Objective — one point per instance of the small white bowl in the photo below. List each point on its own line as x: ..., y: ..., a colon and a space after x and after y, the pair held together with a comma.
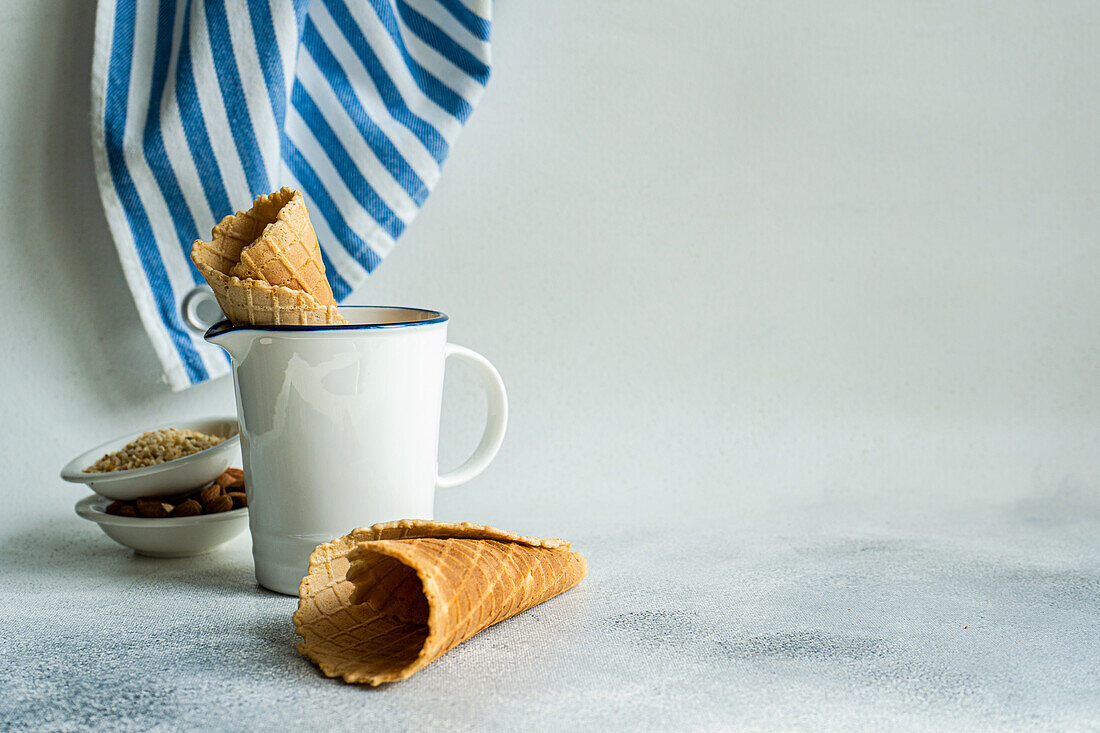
x: 163, y: 479
x: 165, y: 536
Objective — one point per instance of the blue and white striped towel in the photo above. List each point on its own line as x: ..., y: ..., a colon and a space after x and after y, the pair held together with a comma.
x: 201, y: 105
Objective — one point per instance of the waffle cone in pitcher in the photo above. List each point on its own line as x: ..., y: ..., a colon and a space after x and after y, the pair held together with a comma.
x: 264, y: 265
x: 383, y: 602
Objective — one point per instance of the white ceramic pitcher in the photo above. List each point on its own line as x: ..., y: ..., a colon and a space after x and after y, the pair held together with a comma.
x: 340, y: 427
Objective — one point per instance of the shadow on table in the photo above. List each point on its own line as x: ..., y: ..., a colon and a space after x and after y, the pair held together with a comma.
x: 83, y: 555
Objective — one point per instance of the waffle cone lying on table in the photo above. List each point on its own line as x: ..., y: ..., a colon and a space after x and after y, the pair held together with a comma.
x: 383, y: 602
x: 264, y: 265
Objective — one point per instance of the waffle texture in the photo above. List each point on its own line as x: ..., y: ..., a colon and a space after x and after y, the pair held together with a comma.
x: 264, y: 265
x: 383, y: 602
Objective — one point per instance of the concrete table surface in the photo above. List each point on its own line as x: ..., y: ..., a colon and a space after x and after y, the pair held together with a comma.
x: 825, y: 618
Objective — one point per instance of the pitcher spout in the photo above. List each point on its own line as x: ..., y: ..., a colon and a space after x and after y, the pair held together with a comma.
x: 234, y: 340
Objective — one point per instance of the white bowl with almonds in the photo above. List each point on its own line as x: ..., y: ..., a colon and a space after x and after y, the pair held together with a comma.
x: 175, y: 526
x: 161, y: 462
x: 166, y: 536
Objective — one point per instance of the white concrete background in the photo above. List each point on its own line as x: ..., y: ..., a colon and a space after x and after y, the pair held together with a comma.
x: 728, y: 256
x: 790, y: 270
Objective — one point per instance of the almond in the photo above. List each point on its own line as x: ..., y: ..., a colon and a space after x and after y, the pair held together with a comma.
x: 127, y: 511
x: 211, y: 492
x: 220, y: 504
x: 153, y: 508
x: 116, y: 507
x: 238, y: 497
x: 188, y: 508
x: 231, y: 478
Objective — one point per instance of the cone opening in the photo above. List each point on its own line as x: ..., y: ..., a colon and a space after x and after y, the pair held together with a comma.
x: 222, y: 253
x: 265, y: 213
x: 391, y: 593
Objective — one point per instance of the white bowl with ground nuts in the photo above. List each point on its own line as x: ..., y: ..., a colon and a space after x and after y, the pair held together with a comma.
x: 180, y: 460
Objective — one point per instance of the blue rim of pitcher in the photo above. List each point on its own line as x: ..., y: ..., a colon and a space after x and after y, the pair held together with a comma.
x: 224, y: 326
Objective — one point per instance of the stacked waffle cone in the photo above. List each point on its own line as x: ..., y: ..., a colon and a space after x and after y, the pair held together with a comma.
x: 264, y: 265
x: 385, y: 601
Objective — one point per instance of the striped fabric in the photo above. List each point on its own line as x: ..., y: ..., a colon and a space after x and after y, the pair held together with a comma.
x: 201, y: 105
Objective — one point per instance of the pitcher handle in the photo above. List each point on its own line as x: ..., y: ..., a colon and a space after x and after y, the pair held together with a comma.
x: 495, y: 425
